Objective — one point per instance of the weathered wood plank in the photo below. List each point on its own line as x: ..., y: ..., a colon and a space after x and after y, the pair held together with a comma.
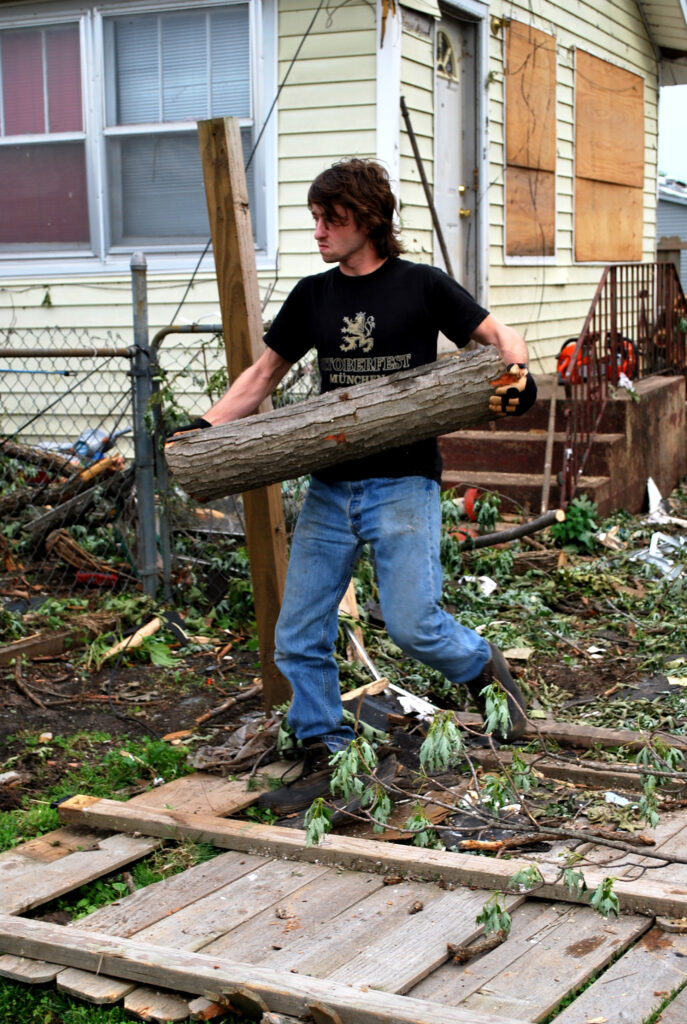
x: 152, y: 1005
x: 636, y: 985
x: 281, y: 991
x: 675, y: 1012
x: 205, y: 793
x: 330, y: 946
x: 58, y: 843
x: 206, y: 919
x: 143, y: 910
x: 533, y: 923
x: 582, y: 944
x: 297, y: 918
x: 641, y: 896
x: 417, y: 945
x: 591, y: 774
x: 24, y: 887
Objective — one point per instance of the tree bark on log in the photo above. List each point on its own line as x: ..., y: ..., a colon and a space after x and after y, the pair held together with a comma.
x: 348, y: 423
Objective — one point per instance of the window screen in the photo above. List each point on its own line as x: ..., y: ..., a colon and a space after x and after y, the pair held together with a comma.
x: 173, y: 67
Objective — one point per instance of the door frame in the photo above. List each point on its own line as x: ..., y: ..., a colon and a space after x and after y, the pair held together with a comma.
x: 478, y: 13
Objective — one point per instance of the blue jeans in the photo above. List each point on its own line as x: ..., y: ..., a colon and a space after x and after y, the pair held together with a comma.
x: 401, y: 520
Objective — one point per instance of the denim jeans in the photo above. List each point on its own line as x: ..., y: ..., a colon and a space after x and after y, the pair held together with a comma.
x: 401, y: 520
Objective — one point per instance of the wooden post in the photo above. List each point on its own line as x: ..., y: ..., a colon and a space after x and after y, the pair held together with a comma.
x: 237, y: 281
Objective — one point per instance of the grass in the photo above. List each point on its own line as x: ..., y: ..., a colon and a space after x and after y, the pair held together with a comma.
x: 93, y: 763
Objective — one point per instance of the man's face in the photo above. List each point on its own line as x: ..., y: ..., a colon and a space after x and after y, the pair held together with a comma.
x: 342, y: 241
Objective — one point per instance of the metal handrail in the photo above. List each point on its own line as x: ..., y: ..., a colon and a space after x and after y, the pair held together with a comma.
x: 636, y: 326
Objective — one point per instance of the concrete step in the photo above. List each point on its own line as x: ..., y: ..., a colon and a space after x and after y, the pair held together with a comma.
x: 520, y: 491
x: 523, y: 452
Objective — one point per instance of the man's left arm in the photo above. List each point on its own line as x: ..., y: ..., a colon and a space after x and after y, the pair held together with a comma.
x: 516, y: 392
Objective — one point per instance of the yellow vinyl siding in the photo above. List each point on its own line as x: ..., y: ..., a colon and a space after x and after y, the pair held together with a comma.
x: 417, y: 87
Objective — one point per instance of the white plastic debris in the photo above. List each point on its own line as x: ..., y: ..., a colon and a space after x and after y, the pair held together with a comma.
x: 625, y: 382
x: 617, y: 799
x: 659, y: 509
x: 661, y: 546
x: 486, y: 585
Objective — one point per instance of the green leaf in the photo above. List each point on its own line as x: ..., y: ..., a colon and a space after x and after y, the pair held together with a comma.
x: 443, y: 744
x: 318, y: 822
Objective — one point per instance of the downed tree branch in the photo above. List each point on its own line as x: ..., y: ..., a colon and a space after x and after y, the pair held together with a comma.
x: 135, y: 640
x: 58, y: 493
x: 52, y: 461
x: 515, y: 532
x: 71, y: 511
x: 252, y: 691
x: 343, y: 424
x: 510, y: 843
x: 463, y: 954
x: 23, y: 688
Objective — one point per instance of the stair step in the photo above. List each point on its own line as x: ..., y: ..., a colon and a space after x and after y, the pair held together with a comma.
x: 505, y: 451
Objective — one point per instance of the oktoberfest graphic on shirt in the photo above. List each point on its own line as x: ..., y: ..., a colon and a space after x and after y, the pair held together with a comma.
x: 369, y: 326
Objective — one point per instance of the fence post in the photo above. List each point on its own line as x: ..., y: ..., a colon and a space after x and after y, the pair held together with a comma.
x: 143, y: 442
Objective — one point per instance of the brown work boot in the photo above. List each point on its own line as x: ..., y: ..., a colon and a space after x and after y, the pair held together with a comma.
x: 496, y: 671
x: 313, y: 781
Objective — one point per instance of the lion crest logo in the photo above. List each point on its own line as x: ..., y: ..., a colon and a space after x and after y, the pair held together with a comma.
x: 357, y: 333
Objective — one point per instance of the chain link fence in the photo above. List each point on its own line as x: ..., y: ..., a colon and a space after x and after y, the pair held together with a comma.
x: 66, y: 464
x: 86, y: 505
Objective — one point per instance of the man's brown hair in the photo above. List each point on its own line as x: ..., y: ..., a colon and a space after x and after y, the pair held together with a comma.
x: 361, y: 186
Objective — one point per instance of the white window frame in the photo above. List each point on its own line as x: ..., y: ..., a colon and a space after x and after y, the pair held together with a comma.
x: 101, y: 257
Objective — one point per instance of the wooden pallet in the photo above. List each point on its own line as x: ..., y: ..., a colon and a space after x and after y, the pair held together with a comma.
x: 290, y: 930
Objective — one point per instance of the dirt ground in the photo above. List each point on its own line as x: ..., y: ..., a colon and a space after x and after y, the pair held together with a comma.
x: 140, y: 699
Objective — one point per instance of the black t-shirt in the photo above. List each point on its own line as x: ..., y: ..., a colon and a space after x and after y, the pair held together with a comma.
x: 366, y: 327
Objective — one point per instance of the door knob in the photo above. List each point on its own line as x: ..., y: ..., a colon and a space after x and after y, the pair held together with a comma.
x: 464, y: 213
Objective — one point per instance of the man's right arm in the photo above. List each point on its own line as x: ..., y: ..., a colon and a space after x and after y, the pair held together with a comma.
x: 249, y: 389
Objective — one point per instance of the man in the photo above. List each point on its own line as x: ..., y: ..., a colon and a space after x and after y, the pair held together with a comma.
x: 370, y: 315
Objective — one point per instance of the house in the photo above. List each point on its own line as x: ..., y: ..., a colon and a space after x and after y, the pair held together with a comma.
x: 536, y: 124
x: 671, y: 225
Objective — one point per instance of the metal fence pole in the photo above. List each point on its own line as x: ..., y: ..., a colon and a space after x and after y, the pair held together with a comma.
x: 143, y: 442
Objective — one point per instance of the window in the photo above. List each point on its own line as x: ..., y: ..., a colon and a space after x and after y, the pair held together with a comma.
x: 98, y: 142
x: 43, y: 198
x: 530, y: 142
x: 609, y: 161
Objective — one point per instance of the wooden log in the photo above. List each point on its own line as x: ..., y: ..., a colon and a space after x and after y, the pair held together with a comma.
x: 348, y: 423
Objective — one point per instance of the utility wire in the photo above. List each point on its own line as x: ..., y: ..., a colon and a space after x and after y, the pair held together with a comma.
x: 255, y: 146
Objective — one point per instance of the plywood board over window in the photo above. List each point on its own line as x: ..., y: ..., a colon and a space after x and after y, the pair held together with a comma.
x: 609, y: 161
x: 530, y: 141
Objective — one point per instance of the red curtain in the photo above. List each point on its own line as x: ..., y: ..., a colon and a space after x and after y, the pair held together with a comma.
x: 43, y: 195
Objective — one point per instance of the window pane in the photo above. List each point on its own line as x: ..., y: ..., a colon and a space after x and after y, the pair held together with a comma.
x: 137, y: 65
x: 184, y: 67
x: 43, y: 195
x: 22, y: 82
x: 230, y: 55
x: 162, y: 193
x: 176, y: 66
x: 64, y: 79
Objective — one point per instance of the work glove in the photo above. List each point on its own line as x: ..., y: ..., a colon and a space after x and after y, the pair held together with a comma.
x: 196, y: 424
x: 514, y: 393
